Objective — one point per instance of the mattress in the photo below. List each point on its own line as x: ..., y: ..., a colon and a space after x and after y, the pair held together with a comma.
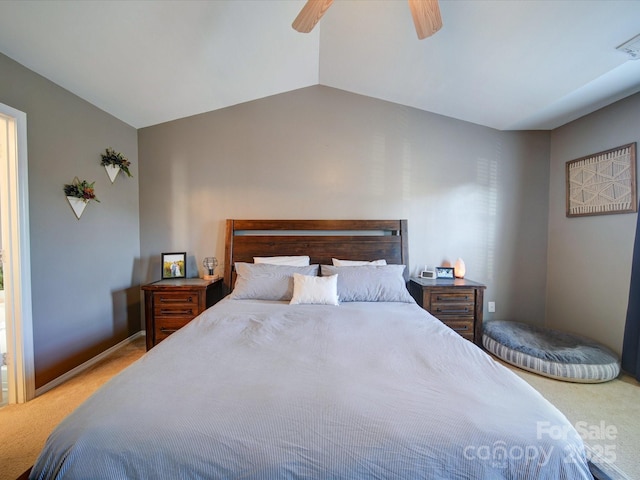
x: 267, y: 390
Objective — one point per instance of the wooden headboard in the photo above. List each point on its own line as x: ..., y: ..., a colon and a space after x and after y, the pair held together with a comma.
x: 322, y: 240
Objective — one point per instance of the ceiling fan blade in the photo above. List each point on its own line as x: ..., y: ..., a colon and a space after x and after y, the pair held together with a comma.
x: 426, y: 17
x: 310, y: 14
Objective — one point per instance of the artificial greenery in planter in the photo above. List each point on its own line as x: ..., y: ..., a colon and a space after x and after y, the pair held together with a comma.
x: 81, y: 189
x: 116, y: 159
x: 79, y: 194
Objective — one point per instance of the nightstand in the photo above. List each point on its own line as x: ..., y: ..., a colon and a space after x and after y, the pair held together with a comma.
x: 170, y: 304
x: 457, y: 303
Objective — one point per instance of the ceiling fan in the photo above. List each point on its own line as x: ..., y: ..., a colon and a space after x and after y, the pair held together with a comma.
x: 425, y: 13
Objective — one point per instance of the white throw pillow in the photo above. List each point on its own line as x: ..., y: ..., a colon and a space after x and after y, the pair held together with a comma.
x: 295, y: 261
x: 356, y: 263
x: 316, y: 290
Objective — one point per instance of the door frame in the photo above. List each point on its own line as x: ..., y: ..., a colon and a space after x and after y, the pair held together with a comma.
x: 14, y: 212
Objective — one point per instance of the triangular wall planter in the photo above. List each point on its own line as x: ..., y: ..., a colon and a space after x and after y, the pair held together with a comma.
x: 78, y: 205
x: 112, y: 171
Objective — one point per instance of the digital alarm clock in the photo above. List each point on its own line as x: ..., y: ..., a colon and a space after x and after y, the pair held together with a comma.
x: 428, y: 273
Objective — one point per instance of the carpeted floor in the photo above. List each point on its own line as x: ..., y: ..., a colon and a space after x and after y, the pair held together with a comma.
x: 598, y: 409
x: 25, y: 427
x: 607, y: 415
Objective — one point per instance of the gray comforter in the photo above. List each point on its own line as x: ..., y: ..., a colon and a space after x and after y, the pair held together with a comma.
x: 265, y: 390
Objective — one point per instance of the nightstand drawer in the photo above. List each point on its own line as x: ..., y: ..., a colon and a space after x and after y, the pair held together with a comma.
x: 459, y: 296
x: 166, y: 326
x: 177, y: 310
x: 460, y: 326
x: 460, y: 311
x: 169, y: 299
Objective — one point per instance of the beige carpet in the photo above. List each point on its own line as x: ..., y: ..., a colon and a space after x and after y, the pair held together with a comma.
x: 24, y: 428
x: 608, y: 412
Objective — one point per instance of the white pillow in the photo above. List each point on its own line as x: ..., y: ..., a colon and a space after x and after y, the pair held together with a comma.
x: 356, y: 263
x: 296, y: 261
x: 317, y: 290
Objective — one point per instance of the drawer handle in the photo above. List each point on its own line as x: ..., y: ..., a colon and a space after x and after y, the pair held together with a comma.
x: 461, y: 329
x: 441, y: 299
x: 168, y: 330
x: 168, y: 311
x: 450, y: 310
x: 176, y: 300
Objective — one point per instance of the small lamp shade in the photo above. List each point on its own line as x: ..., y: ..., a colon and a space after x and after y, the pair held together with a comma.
x: 459, y: 268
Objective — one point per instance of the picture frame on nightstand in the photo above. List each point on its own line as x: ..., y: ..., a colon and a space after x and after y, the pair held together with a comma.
x: 174, y: 265
x: 445, y: 272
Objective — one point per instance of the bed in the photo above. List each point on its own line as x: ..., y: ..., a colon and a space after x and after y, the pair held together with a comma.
x: 352, y: 380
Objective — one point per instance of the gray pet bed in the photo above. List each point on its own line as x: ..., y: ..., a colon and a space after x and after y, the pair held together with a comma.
x: 550, y: 353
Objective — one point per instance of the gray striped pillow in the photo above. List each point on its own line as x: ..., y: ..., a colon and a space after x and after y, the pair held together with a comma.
x: 262, y: 281
x: 370, y: 283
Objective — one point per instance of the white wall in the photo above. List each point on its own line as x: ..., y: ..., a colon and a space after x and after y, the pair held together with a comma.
x: 589, y: 265
x: 468, y: 191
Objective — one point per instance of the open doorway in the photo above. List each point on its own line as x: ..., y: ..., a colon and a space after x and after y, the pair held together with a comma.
x: 16, y: 342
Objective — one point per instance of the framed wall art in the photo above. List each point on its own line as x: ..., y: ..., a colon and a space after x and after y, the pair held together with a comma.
x: 602, y: 183
x: 174, y: 265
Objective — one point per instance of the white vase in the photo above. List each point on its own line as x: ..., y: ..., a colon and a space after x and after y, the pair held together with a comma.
x: 78, y: 205
x: 112, y: 171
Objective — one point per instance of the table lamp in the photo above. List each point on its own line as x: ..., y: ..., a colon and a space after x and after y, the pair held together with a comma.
x: 210, y: 264
x: 460, y: 268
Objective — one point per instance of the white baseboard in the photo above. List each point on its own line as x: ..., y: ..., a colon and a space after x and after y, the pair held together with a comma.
x: 89, y: 363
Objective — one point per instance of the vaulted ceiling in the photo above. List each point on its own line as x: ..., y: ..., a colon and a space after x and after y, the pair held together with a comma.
x: 506, y: 64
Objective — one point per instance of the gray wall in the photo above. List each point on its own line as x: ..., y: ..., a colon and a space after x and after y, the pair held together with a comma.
x: 468, y: 191
x: 84, y: 272
x: 589, y: 264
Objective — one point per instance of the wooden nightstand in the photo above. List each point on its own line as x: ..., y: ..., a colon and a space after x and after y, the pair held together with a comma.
x: 457, y: 303
x: 170, y: 304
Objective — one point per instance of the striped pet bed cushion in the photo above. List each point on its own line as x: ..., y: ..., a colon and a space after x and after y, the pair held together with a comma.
x: 551, y: 353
